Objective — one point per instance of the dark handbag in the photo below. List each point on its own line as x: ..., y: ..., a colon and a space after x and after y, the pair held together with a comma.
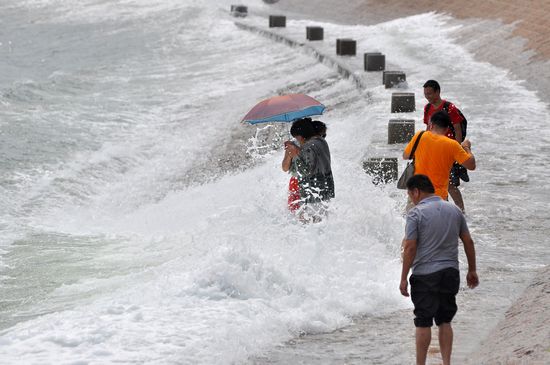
x: 409, y: 170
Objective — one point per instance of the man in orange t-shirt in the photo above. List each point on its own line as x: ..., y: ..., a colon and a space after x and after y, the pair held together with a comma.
x: 432, y: 93
x: 436, y: 153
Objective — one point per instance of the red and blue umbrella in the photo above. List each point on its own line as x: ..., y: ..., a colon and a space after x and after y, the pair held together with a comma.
x: 284, y: 108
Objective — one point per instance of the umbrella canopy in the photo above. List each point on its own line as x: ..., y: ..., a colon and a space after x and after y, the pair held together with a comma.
x: 284, y: 108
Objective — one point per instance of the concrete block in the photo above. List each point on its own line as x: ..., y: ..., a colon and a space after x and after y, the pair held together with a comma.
x: 346, y: 47
x: 402, y: 103
x: 239, y: 10
x: 375, y: 61
x: 277, y: 21
x: 400, y: 130
x: 382, y: 169
x: 314, y: 33
x: 393, y: 78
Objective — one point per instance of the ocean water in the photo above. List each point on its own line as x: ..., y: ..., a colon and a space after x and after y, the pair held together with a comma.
x: 124, y: 241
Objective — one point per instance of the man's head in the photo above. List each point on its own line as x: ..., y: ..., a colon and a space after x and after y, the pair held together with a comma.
x: 440, y: 122
x: 432, y: 91
x: 419, y: 187
x: 302, y: 130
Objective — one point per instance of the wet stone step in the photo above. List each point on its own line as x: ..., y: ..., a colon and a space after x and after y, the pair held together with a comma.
x: 400, y: 130
x: 277, y: 21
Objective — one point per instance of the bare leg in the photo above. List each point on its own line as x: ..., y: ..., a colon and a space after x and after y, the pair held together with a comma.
x: 457, y: 196
x: 423, y: 339
x: 446, y: 342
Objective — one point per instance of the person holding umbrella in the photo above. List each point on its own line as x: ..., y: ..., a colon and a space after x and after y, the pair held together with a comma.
x: 311, y: 164
x: 320, y: 129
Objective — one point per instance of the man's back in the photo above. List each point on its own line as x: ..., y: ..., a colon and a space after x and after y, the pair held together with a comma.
x: 436, y: 225
x: 314, y: 171
x: 434, y: 157
x: 318, y: 152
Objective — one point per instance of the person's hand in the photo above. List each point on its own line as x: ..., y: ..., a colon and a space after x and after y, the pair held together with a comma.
x: 291, y: 148
x: 472, y: 279
x: 466, y: 143
x: 403, y: 288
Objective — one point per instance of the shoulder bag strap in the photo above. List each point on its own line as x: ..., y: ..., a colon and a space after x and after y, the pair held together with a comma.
x: 411, y: 157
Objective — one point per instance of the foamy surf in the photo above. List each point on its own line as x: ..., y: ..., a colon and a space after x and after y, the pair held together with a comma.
x: 110, y: 258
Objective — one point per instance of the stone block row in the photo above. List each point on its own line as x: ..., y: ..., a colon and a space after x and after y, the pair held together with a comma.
x: 382, y: 169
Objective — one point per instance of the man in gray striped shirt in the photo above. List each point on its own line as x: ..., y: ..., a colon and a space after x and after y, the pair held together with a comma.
x: 430, y: 248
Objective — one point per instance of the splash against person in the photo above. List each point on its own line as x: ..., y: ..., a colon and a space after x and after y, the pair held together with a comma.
x: 309, y: 162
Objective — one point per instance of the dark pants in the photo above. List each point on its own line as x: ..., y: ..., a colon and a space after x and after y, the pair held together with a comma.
x: 434, y: 297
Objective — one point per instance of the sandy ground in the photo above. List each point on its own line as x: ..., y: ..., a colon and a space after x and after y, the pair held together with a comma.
x: 523, y: 335
x: 514, y: 35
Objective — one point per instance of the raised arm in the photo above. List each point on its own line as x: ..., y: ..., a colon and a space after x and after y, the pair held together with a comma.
x: 291, y: 150
x: 287, y: 161
x: 470, y: 163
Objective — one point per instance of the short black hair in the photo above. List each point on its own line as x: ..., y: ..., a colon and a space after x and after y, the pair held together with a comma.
x: 320, y: 128
x: 303, y: 128
x: 433, y: 84
x: 420, y: 182
x: 441, y: 119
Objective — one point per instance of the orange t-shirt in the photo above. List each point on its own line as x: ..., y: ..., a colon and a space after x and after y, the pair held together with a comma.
x: 434, y: 157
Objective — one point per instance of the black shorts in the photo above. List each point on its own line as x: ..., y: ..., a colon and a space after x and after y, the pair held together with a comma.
x: 434, y: 297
